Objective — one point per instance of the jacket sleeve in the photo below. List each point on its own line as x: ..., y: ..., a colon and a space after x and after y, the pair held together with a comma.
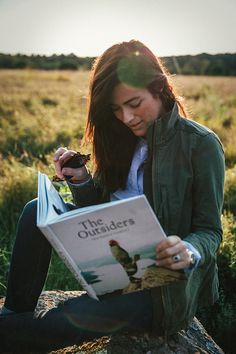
x: 208, y: 189
x: 85, y: 194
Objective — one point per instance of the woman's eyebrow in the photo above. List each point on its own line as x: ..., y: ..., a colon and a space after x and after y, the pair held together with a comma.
x: 128, y: 101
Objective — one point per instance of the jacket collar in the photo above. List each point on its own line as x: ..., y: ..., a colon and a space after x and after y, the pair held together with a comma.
x: 163, y: 128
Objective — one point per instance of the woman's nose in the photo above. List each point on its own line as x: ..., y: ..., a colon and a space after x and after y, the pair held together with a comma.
x: 127, y: 116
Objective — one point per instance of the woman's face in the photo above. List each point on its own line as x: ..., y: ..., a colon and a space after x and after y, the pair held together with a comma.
x: 135, y: 107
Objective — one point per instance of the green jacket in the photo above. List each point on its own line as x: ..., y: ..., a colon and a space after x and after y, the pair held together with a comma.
x: 183, y: 181
x: 186, y: 174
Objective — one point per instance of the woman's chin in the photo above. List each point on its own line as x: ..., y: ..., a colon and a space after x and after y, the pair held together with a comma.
x: 139, y: 132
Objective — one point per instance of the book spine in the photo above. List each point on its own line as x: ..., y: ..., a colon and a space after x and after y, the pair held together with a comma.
x: 69, y: 262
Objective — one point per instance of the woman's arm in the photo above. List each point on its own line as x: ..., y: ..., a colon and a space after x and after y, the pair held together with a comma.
x: 208, y: 186
x: 208, y: 192
x: 85, y: 193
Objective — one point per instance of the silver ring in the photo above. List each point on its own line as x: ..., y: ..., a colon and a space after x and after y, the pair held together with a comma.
x: 176, y: 258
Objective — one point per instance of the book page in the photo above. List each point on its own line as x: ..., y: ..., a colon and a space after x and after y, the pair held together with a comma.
x: 50, y: 203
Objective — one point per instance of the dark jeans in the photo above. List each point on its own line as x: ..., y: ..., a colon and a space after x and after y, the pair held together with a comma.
x: 73, y: 322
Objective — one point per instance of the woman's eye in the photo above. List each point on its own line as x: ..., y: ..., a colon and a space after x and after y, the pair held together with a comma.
x: 132, y: 104
x: 135, y: 104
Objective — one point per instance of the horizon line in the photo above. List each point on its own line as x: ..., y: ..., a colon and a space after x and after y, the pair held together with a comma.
x: 95, y: 56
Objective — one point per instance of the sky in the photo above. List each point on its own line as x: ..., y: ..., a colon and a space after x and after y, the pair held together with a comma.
x: 88, y: 27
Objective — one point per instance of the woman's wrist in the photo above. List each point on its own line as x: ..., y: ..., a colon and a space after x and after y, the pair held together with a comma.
x: 194, y: 256
x: 80, y: 179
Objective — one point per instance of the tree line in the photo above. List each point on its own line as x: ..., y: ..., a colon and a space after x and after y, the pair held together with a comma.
x: 201, y: 64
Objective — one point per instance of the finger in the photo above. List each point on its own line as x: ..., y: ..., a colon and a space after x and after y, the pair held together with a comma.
x: 172, y: 245
x: 168, y: 242
x: 171, y: 251
x: 58, y: 170
x: 172, y: 264
x: 80, y: 173
x: 177, y: 266
x: 61, y: 155
x: 59, y: 152
x: 66, y: 156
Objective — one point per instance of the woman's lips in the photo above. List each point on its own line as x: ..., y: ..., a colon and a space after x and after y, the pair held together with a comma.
x: 134, y: 126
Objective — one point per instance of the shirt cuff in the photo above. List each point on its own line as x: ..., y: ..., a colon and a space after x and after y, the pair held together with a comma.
x: 197, y: 255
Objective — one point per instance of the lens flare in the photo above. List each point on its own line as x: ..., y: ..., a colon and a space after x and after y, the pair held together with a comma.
x: 136, y: 70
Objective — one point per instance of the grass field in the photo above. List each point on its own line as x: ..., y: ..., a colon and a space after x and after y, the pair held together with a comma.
x: 39, y: 110
x: 42, y: 110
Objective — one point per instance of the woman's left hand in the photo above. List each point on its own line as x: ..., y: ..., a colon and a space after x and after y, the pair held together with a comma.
x: 172, y: 253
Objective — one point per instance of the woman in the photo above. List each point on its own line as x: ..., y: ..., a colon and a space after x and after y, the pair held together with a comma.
x: 141, y: 144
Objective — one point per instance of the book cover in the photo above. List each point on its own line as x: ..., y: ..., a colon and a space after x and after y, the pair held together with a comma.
x: 110, y: 247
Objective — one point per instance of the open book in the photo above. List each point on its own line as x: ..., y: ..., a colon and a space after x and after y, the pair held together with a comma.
x: 110, y: 247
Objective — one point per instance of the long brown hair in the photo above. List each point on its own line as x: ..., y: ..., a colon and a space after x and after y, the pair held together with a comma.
x: 113, y: 143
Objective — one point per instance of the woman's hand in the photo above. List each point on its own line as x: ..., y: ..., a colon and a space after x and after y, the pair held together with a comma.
x: 172, y: 253
x: 77, y: 174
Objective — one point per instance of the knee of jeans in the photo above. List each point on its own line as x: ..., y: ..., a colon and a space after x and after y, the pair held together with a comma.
x: 30, y: 211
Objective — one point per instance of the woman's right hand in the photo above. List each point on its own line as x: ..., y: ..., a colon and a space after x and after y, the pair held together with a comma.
x: 60, y: 157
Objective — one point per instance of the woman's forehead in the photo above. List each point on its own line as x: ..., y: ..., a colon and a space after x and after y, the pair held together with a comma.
x: 123, y: 92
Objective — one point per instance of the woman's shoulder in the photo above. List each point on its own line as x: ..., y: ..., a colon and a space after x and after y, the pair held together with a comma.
x: 191, y: 126
x: 198, y: 133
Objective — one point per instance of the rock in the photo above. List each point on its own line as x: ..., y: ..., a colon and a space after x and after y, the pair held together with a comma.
x: 194, y: 340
